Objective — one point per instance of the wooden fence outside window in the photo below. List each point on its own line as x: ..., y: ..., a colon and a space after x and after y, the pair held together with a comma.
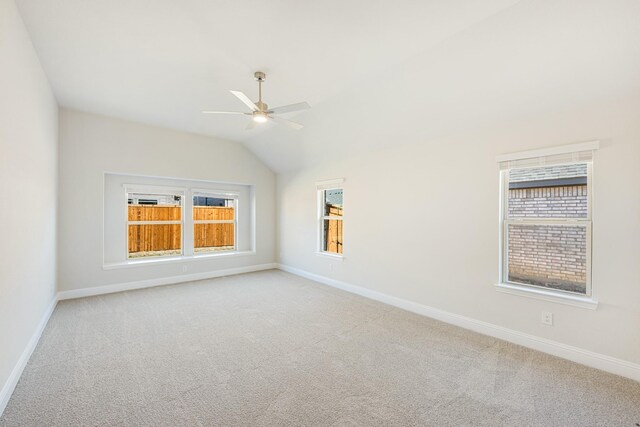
x: 167, y: 237
x: 333, y: 231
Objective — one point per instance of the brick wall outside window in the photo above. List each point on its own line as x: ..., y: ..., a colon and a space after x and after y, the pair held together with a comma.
x: 549, y: 202
x: 548, y: 255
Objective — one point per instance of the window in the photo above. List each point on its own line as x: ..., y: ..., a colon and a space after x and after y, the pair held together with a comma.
x: 157, y: 226
x: 154, y: 224
x: 214, y: 222
x: 156, y: 220
x: 331, y: 219
x: 546, y: 223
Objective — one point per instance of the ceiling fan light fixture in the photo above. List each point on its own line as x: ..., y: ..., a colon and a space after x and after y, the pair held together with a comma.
x: 259, y: 117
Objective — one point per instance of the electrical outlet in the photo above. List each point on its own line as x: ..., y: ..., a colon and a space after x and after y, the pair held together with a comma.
x: 184, y: 268
x: 547, y: 318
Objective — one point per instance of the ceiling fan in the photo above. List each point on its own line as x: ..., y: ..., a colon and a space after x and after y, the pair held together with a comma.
x: 260, y: 112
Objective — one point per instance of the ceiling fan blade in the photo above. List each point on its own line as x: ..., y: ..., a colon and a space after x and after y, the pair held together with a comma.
x: 222, y: 112
x: 245, y: 99
x: 288, y: 123
x: 291, y: 107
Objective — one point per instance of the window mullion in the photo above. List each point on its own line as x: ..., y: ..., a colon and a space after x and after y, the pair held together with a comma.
x: 187, y: 234
x: 187, y: 226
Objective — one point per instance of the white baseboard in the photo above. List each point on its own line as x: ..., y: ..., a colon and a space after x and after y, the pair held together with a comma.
x: 14, y: 377
x: 141, y: 284
x: 575, y: 354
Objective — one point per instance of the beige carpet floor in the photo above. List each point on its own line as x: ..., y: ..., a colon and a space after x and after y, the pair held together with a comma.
x: 270, y: 348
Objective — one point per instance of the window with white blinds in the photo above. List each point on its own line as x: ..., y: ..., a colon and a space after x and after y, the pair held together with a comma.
x: 546, y: 221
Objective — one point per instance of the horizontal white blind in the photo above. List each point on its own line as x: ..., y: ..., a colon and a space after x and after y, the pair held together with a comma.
x: 556, y: 159
x: 220, y: 194
x: 330, y: 184
x: 153, y: 189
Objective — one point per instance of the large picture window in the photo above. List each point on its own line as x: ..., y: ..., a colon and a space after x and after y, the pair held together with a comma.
x: 546, y: 223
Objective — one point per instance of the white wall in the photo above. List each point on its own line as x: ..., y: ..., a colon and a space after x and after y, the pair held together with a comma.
x: 92, y: 145
x: 421, y: 223
x: 28, y: 190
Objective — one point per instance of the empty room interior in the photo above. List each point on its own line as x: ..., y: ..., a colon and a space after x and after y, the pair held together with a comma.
x: 320, y: 213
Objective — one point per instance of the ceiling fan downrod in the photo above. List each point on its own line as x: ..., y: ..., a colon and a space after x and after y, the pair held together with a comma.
x: 261, y: 77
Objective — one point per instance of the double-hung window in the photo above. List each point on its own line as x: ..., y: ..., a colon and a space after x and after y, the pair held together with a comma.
x: 215, y: 222
x: 154, y: 223
x: 546, y: 222
x: 330, y: 219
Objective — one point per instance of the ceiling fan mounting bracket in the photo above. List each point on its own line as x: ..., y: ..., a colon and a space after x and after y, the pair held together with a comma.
x: 260, y: 76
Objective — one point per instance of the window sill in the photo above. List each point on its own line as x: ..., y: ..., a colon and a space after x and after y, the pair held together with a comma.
x: 544, y: 295
x: 173, y: 260
x: 330, y: 255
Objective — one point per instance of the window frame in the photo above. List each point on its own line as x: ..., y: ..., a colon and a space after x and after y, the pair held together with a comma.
x: 220, y: 195
x: 505, y: 222
x: 322, y: 217
x: 155, y: 190
x: 187, y: 223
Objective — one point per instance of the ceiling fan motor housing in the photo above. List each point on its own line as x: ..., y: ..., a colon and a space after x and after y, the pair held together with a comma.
x: 262, y: 106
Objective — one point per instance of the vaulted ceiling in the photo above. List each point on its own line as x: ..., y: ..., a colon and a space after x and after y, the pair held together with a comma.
x: 375, y: 72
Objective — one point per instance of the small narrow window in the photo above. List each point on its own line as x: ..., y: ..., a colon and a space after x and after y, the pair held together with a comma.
x: 546, y: 220
x: 154, y: 224
x: 331, y: 220
x: 214, y: 222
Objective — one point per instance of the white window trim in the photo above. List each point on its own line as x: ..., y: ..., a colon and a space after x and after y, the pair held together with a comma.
x: 146, y: 262
x: 329, y: 184
x: 339, y: 257
x: 322, y: 186
x: 537, y: 292
x: 550, y: 151
x: 187, y: 224
x: 545, y: 295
